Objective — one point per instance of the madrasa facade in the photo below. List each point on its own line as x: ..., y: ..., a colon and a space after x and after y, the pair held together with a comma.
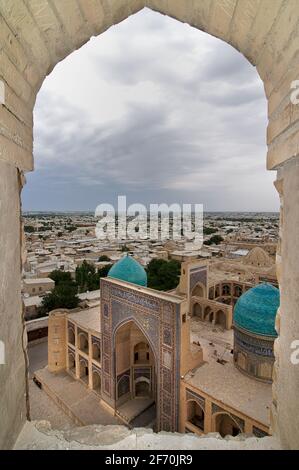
x: 183, y: 361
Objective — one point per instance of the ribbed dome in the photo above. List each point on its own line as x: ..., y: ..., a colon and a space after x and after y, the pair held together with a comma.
x: 255, y: 311
x: 258, y: 257
x: 129, y: 270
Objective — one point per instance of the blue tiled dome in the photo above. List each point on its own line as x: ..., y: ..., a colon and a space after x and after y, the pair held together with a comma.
x: 129, y: 270
x: 256, y: 309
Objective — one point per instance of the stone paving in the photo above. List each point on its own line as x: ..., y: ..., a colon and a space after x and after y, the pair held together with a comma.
x: 82, y: 403
x: 42, y: 407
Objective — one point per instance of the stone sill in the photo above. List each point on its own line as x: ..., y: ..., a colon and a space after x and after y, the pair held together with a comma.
x: 38, y: 435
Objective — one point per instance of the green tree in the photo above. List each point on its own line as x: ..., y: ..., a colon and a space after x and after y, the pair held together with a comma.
x: 209, y: 230
x: 104, y: 258
x: 214, y: 240
x: 61, y: 277
x: 29, y: 228
x: 84, y: 275
x: 163, y: 275
x: 103, y: 272
x: 88, y: 278
x: 63, y: 296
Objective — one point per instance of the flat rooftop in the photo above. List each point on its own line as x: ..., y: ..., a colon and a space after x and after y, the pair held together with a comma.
x: 224, y: 382
x: 87, y: 319
x: 38, y: 280
x: 229, y: 386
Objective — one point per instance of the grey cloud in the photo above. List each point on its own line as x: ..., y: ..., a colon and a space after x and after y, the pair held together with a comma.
x: 199, y: 143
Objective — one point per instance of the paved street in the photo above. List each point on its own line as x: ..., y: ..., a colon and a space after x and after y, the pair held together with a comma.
x: 41, y: 406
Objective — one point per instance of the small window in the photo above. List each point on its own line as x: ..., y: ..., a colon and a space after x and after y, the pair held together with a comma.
x: 136, y: 356
x: 184, y: 318
x: 147, y: 356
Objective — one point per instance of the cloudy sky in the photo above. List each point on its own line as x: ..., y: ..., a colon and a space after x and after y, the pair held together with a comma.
x: 157, y: 111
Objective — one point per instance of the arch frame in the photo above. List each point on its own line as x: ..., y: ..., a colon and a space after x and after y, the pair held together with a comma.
x: 36, y: 46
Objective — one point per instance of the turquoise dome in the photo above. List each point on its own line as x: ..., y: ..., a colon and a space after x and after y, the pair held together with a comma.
x: 129, y: 270
x: 256, y: 309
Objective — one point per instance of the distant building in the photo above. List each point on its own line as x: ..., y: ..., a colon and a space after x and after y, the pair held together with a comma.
x: 37, y: 286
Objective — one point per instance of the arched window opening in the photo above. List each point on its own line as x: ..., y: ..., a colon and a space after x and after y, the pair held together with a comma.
x: 226, y: 426
x: 83, y: 370
x: 141, y: 353
x: 96, y: 381
x: 71, y: 335
x: 142, y: 387
x: 96, y: 351
x: 83, y: 342
x: 198, y: 291
x: 195, y: 414
x: 72, y: 362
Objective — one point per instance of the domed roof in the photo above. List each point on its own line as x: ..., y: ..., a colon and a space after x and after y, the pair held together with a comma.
x: 129, y: 270
x: 258, y: 257
x: 256, y: 309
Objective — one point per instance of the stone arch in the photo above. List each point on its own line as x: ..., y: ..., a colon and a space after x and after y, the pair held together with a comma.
x: 96, y: 351
x: 220, y: 318
x: 241, y: 359
x: 141, y: 353
x: 83, y: 369
x: 38, y: 36
x: 197, y: 310
x: 142, y: 387
x: 71, y: 361
x: 224, y: 423
x: 123, y: 386
x: 226, y: 289
x: 142, y: 329
x: 71, y: 334
x: 195, y: 414
x: 83, y: 341
x: 238, y: 290
x: 199, y: 290
x: 208, y: 314
x: 96, y: 381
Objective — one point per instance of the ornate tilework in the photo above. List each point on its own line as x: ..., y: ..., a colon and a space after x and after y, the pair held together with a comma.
x: 152, y: 315
x: 190, y: 395
x: 107, y: 386
x: 106, y: 365
x: 123, y: 384
x: 259, y: 432
x: 167, y: 336
x: 106, y: 310
x: 96, y: 340
x: 96, y: 369
x: 166, y: 377
x: 167, y: 359
x: 253, y: 345
x: 197, y: 275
